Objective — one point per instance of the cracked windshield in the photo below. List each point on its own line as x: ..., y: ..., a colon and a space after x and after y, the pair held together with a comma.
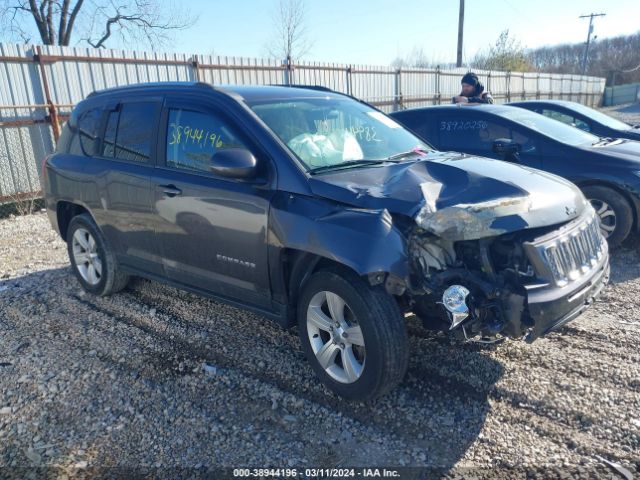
x: 329, y: 132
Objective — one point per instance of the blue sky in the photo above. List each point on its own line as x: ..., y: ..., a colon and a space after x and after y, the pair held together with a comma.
x: 377, y: 31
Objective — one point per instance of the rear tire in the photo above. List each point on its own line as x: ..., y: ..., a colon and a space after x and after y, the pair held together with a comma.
x: 615, y: 213
x: 353, y: 335
x: 92, y: 260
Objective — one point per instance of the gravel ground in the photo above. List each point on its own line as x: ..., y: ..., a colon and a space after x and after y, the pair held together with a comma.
x: 157, y: 378
x: 629, y: 112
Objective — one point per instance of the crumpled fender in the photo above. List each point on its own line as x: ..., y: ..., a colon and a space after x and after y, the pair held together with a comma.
x: 365, y: 240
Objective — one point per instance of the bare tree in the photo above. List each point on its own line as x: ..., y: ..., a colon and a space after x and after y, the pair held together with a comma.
x: 416, y: 59
x: 507, y: 54
x: 291, y: 39
x: 93, y: 21
x: 615, y: 58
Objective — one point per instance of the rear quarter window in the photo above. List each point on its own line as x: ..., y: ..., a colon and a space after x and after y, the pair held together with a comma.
x: 88, y: 125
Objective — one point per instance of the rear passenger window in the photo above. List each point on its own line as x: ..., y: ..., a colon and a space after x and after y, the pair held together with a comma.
x: 109, y: 141
x: 88, y: 124
x: 568, y: 119
x: 194, y: 137
x: 129, y: 132
x: 135, y: 131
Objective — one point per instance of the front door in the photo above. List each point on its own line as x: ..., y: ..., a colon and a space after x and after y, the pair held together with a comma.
x: 212, y: 230
x: 475, y: 134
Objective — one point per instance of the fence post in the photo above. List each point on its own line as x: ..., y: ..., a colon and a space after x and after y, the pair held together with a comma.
x: 437, y: 99
x: 508, y: 86
x: 287, y: 71
x: 348, y: 79
x: 489, y: 82
x: 196, y: 70
x: 397, y: 94
x: 538, y: 86
x: 53, y: 112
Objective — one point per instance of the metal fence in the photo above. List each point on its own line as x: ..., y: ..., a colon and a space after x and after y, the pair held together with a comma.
x: 39, y: 85
x: 619, y: 94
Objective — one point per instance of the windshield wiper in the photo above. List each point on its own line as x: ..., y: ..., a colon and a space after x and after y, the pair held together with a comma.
x: 350, y: 163
x: 602, y: 141
x: 408, y: 153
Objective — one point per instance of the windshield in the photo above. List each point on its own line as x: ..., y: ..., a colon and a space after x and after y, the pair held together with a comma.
x: 599, y: 117
x: 330, y: 132
x: 547, y: 126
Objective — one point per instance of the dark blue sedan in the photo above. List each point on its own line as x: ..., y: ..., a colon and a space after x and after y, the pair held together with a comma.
x: 607, y: 170
x: 582, y: 117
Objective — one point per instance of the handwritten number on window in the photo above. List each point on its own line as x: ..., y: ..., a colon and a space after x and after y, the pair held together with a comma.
x: 185, y: 135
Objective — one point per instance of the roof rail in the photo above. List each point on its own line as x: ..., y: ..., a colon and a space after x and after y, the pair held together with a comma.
x: 321, y: 88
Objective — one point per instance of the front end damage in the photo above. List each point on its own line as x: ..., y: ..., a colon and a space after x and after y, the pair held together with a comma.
x: 482, y: 247
x: 469, y: 277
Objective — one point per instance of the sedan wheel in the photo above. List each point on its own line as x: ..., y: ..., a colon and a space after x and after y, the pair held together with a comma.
x: 606, y: 215
x: 85, y: 254
x: 335, y: 337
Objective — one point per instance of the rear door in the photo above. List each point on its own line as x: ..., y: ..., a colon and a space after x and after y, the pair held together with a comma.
x: 122, y: 166
x: 212, y: 230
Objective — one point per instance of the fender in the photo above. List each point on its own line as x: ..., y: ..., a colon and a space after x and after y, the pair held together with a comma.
x: 367, y: 241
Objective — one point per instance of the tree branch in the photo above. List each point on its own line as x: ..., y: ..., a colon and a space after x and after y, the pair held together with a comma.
x: 71, y: 23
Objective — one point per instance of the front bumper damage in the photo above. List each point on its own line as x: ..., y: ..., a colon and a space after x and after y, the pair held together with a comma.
x: 567, y: 269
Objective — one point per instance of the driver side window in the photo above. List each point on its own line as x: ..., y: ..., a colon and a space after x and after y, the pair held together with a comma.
x: 479, y: 135
x: 194, y: 137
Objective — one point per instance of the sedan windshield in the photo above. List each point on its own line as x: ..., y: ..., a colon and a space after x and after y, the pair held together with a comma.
x: 338, y: 132
x: 599, y: 117
x: 547, y: 126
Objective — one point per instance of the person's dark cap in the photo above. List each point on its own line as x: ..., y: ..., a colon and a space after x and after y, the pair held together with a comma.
x: 470, y: 78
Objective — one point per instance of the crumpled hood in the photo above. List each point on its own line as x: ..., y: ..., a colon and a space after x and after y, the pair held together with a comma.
x: 458, y: 197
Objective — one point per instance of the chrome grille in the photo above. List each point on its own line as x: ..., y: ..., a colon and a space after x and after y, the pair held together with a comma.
x: 572, y: 254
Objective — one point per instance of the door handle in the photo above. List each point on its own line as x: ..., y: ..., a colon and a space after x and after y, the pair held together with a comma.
x: 170, y: 190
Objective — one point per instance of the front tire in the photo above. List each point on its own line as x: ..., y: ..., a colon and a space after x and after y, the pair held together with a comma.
x: 92, y: 261
x: 614, y: 213
x: 353, y: 335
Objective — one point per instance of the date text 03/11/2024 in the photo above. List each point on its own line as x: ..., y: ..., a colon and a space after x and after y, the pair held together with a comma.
x: 316, y: 473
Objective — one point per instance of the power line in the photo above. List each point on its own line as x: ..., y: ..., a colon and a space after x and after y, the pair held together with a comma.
x: 586, y: 48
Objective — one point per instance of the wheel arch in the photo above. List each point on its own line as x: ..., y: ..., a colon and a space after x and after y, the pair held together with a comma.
x: 633, y: 202
x: 65, y: 211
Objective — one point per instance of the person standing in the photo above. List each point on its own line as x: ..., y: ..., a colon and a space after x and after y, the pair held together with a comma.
x: 472, y: 91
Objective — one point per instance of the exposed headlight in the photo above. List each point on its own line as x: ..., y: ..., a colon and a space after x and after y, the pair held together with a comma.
x: 454, y: 300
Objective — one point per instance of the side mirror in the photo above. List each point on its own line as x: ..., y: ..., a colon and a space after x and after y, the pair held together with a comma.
x: 234, y: 162
x: 506, y: 148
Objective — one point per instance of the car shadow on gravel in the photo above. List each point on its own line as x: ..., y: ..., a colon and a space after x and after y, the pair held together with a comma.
x: 431, y: 419
x: 625, y: 261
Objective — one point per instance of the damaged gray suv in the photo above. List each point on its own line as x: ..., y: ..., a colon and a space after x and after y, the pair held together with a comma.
x: 317, y: 210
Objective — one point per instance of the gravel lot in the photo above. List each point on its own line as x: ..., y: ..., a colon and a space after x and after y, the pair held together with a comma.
x: 158, y: 378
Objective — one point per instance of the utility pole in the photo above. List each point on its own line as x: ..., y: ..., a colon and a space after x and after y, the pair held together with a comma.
x: 460, y: 29
x: 586, y: 48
